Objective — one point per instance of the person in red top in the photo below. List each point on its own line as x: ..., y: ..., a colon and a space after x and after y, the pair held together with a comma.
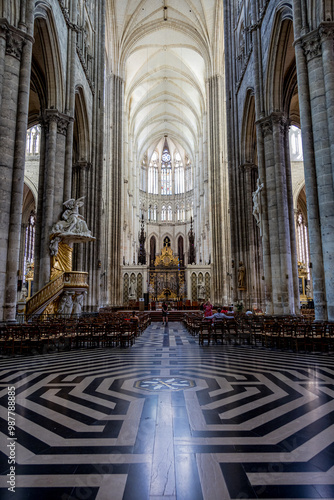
x: 207, y: 309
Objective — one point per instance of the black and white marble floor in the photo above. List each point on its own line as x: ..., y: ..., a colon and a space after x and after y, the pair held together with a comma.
x: 168, y: 419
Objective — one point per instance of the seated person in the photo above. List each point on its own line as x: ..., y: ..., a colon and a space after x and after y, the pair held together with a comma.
x: 134, y: 318
x: 219, y: 315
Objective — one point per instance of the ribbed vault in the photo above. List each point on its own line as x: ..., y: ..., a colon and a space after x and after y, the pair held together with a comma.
x: 163, y: 51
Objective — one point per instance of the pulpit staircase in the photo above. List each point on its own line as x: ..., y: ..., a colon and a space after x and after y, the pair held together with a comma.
x: 75, y: 281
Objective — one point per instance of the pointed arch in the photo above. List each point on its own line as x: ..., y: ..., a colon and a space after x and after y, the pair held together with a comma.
x: 281, y: 57
x: 248, y: 132
x: 81, y: 130
x: 48, y: 55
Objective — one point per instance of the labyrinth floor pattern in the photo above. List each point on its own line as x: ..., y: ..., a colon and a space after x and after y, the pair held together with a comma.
x: 168, y: 419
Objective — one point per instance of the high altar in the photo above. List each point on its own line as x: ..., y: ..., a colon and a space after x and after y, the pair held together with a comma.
x: 167, y: 277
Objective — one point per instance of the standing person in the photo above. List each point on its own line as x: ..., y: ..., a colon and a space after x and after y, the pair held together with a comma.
x: 208, y: 309
x: 164, y: 314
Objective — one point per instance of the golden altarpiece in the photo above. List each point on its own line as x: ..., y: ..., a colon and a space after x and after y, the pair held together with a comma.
x: 167, y: 277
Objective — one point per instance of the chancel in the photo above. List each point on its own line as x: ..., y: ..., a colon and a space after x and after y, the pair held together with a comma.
x: 175, y: 157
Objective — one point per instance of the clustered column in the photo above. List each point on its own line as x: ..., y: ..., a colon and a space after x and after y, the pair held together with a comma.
x: 15, y: 68
x: 219, y: 194
x: 280, y: 220
x: 315, y: 73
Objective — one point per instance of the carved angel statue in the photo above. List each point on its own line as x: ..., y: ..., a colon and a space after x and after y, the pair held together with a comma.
x: 257, y: 209
x: 72, y: 222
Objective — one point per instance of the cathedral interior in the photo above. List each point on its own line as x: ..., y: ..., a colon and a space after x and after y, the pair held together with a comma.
x: 177, y: 151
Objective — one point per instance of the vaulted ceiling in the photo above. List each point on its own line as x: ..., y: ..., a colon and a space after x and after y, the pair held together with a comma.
x: 165, y: 50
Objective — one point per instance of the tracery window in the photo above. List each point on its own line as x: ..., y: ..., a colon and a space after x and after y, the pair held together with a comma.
x: 189, y: 177
x: 143, y: 178
x: 180, y: 213
x: 153, y: 174
x: 169, y: 213
x: 163, y: 213
x: 33, y: 140
x: 166, y: 173
x: 152, y: 213
x: 296, y: 147
x: 178, y: 174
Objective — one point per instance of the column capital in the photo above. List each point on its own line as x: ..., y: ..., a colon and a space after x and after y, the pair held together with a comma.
x: 248, y: 167
x: 82, y: 165
x: 54, y: 116
x: 14, y: 44
x: 326, y: 31
x: 276, y: 118
x: 15, y: 38
x: 311, y: 45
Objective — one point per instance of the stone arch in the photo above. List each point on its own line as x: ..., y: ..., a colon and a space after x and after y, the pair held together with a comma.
x: 46, y: 51
x: 153, y: 249
x: 281, y: 56
x: 125, y: 288
x: 180, y: 249
x: 248, y: 132
x: 193, y: 286
x: 171, y: 240
x: 207, y: 285
x: 81, y: 131
x: 139, y: 286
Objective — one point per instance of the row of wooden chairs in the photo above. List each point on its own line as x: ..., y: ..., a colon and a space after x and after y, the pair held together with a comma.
x: 287, y: 332
x: 101, y: 331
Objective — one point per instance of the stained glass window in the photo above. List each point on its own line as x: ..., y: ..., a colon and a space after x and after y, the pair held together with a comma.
x: 166, y: 173
x: 153, y: 174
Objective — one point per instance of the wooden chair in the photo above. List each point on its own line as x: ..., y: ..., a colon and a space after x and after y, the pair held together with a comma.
x: 231, y: 330
x: 218, y: 331
x: 127, y: 336
x: 112, y: 334
x: 205, y: 332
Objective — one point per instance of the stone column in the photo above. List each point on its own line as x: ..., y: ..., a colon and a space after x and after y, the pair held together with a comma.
x: 261, y: 131
x: 274, y: 128
x: 70, y: 99
x: 323, y: 161
x: 291, y: 217
x: 326, y: 32
x: 253, y: 267
x: 48, y: 218
x: 39, y: 209
x: 286, y: 274
x: 60, y: 180
x: 81, y: 173
x: 13, y: 129
x: 309, y: 166
x: 21, y: 262
x: 115, y: 190
x: 3, y: 32
x: 219, y: 202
